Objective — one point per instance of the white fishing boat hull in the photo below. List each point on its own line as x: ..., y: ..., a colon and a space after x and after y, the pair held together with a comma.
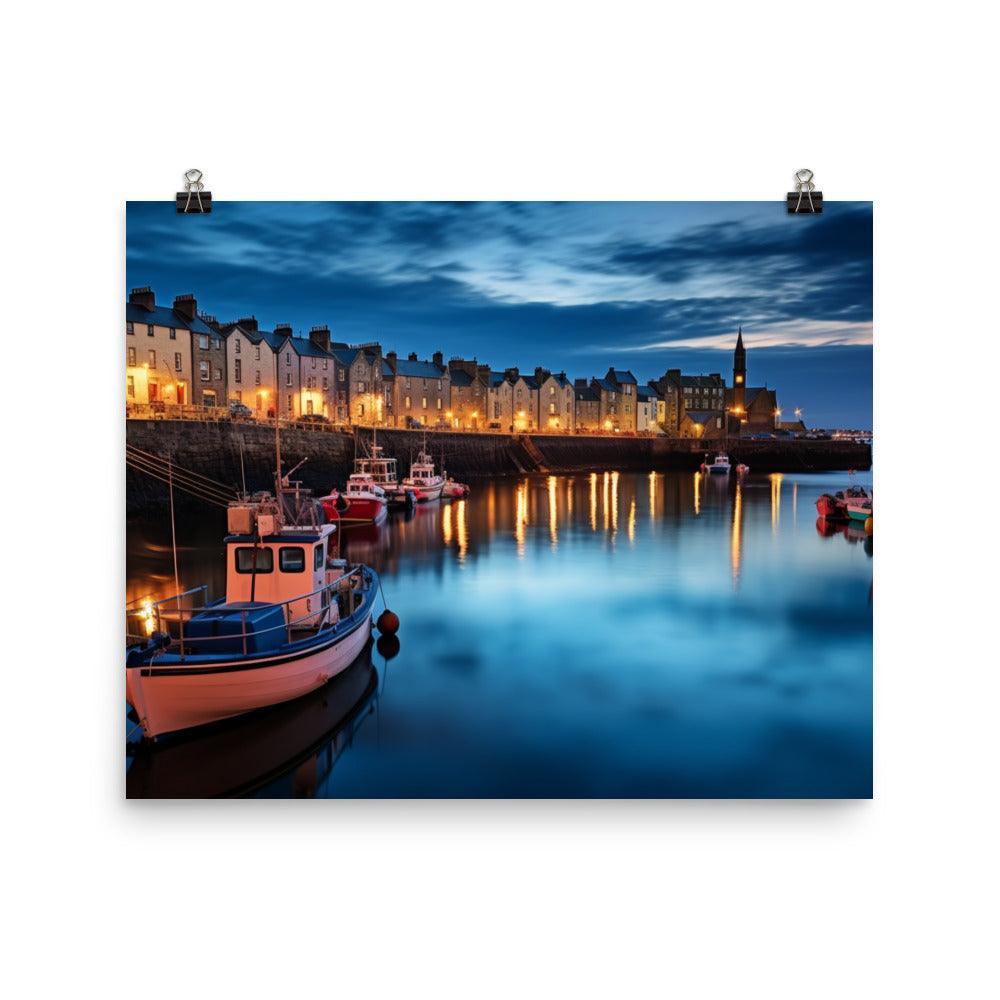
x: 181, y: 697
x: 428, y: 492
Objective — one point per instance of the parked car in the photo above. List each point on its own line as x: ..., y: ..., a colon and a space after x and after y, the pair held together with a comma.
x: 312, y: 418
x: 239, y: 411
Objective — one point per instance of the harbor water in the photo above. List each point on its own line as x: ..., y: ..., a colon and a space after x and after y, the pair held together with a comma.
x: 595, y: 635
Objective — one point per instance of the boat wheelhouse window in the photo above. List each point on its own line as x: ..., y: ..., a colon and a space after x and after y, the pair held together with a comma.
x: 245, y: 559
x: 292, y: 559
x: 318, y: 557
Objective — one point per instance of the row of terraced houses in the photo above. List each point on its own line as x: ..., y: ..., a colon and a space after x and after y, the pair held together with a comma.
x: 179, y: 359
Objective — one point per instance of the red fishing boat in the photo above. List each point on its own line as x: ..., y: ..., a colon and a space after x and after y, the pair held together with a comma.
x: 363, y: 501
x: 834, y: 505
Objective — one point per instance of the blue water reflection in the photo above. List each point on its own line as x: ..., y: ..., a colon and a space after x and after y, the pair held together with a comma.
x: 613, y: 634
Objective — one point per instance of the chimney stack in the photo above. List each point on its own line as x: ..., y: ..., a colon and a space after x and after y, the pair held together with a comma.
x: 320, y: 336
x: 391, y: 359
x: 283, y: 330
x: 248, y: 323
x: 187, y: 306
x: 413, y: 355
x: 142, y: 297
x: 580, y: 383
x: 438, y: 358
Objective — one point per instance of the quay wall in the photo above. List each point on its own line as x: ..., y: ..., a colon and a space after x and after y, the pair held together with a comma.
x: 214, y: 449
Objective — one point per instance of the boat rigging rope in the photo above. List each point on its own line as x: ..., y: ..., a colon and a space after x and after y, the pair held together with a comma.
x: 190, y: 482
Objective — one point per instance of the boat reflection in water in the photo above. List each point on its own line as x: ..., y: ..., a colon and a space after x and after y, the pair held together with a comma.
x: 287, y: 751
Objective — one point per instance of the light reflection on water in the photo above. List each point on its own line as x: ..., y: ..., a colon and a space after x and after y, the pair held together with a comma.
x: 724, y: 650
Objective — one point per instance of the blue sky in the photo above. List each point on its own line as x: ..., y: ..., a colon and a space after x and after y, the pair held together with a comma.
x: 574, y: 286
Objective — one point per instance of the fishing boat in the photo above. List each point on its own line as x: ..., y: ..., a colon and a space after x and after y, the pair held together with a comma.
x: 362, y: 501
x: 294, y: 616
x: 382, y: 472
x: 720, y: 465
x: 426, y: 483
x: 859, y: 509
x: 834, y: 505
x: 289, y: 749
x: 453, y: 490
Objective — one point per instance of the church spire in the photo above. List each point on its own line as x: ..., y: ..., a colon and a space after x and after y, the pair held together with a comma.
x: 739, y: 339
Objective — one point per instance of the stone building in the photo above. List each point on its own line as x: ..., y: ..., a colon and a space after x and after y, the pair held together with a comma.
x: 752, y: 409
x: 625, y: 386
x: 158, y: 354
x: 251, y: 366
x: 688, y: 392
x: 470, y: 386
x: 556, y: 407
x: 208, y: 358
x: 587, y: 407
x: 308, y: 373
x: 647, y: 400
x: 525, y: 400
x: 500, y: 400
x: 701, y: 424
x: 609, y: 415
x: 421, y: 391
x: 359, y: 391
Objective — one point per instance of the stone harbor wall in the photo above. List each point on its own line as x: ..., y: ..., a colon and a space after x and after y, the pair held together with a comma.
x: 215, y: 450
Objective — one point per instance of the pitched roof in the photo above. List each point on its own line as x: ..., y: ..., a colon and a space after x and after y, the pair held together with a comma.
x: 585, y: 394
x: 345, y: 355
x: 562, y: 380
x: 752, y: 393
x: 604, y: 384
x: 165, y: 316
x: 387, y: 371
x: 530, y: 381
x: 276, y: 341
x: 304, y: 347
x: 701, y: 382
x: 701, y: 416
x: 497, y: 378
x: 460, y: 378
x: 646, y: 392
x: 419, y: 369
x: 623, y: 377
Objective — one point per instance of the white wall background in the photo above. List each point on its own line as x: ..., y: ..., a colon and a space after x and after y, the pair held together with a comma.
x: 895, y: 897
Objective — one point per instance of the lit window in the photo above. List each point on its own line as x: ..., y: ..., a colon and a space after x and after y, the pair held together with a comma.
x: 406, y: 402
x: 130, y: 385
x: 152, y: 359
x: 439, y: 402
x: 131, y: 356
x: 423, y: 402
x: 254, y: 559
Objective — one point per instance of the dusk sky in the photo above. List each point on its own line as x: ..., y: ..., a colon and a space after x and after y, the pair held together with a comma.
x: 574, y: 287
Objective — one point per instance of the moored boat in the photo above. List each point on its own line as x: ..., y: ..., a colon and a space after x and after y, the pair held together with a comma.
x: 859, y: 509
x: 363, y: 501
x: 454, y: 490
x: 835, y: 505
x: 720, y: 465
x: 425, y: 482
x: 294, y: 615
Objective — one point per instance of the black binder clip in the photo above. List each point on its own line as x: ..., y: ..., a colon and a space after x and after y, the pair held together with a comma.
x: 807, y: 200
x: 196, y: 200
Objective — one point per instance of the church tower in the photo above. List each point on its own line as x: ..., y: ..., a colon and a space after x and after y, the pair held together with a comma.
x: 739, y: 374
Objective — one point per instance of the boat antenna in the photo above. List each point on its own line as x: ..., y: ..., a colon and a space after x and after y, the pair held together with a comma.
x: 173, y: 545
